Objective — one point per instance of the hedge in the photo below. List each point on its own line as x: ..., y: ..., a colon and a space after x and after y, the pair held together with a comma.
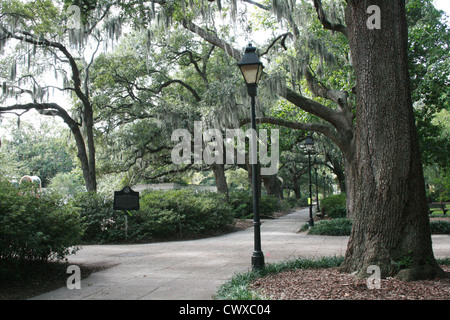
x: 334, y: 206
x: 36, y: 226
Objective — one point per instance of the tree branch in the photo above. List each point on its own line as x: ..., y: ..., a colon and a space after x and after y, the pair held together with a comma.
x: 327, y: 24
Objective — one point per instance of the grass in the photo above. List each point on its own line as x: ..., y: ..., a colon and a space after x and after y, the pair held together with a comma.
x: 238, y: 287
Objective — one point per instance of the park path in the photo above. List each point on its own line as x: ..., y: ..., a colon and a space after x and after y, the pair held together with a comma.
x: 187, y: 270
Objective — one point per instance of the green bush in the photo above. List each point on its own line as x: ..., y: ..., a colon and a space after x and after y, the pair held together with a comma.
x: 440, y: 227
x: 242, y: 205
x: 293, y: 202
x: 334, y: 206
x: 333, y: 227
x: 103, y: 224
x: 162, y: 214
x: 186, y: 211
x: 36, y: 226
x: 268, y: 205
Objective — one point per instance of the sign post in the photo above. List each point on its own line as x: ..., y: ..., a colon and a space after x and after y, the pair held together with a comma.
x: 126, y: 199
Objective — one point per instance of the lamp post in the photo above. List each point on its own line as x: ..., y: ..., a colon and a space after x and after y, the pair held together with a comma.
x: 316, y: 165
x: 309, y: 146
x: 251, y: 68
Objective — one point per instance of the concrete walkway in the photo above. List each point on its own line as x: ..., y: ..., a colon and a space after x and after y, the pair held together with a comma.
x: 185, y: 270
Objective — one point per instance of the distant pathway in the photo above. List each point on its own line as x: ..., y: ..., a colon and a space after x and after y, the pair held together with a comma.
x: 183, y: 270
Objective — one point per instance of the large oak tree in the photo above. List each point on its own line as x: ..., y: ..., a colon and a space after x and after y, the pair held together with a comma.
x: 384, y: 173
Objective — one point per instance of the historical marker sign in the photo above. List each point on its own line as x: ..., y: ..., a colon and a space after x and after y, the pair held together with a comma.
x: 126, y: 199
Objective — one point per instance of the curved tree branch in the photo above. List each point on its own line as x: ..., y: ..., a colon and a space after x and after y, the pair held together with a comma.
x: 327, y: 24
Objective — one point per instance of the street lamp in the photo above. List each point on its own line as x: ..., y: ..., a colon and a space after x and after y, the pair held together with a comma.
x: 309, y: 146
x: 251, y: 69
x: 316, y: 165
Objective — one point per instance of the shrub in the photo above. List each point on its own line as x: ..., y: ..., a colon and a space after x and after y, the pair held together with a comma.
x: 440, y: 227
x: 104, y: 224
x: 242, y: 205
x: 185, y: 211
x: 333, y: 227
x: 268, y: 205
x: 293, y: 202
x: 334, y: 206
x: 36, y: 227
x: 162, y: 214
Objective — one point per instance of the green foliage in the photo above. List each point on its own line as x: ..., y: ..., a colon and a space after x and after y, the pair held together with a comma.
x: 185, y: 211
x: 334, y: 206
x: 293, y: 202
x: 440, y: 227
x: 242, y: 204
x: 36, y: 227
x: 343, y: 227
x: 438, y: 182
x: 333, y: 227
x: 406, y: 261
x: 238, y: 287
x: 428, y: 40
x: 37, y: 151
x: 68, y: 183
x: 37, y: 17
x: 163, y: 214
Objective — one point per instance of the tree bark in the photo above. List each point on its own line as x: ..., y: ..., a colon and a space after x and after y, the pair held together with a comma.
x: 391, y: 222
x: 221, y: 181
x: 272, y: 186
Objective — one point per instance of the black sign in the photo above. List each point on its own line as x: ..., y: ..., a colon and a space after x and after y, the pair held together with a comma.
x: 126, y: 199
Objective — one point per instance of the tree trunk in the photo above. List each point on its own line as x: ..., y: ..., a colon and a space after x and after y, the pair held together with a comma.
x: 221, y: 181
x: 296, y: 189
x: 272, y: 186
x: 91, y: 185
x: 390, y: 209
x: 350, y: 188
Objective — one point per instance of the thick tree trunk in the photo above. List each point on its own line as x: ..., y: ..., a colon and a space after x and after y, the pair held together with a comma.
x: 272, y: 186
x: 350, y: 188
x: 390, y: 209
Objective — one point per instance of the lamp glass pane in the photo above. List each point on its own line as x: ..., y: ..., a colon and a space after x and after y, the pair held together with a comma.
x: 251, y: 73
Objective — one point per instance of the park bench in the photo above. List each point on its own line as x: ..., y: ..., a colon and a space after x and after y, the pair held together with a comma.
x: 437, y: 206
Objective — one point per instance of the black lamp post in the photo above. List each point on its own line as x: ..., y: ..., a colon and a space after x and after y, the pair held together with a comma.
x: 309, y: 146
x: 316, y: 165
x: 251, y: 69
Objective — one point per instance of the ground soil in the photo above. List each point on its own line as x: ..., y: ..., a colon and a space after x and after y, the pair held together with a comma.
x: 37, y: 278
x: 331, y: 284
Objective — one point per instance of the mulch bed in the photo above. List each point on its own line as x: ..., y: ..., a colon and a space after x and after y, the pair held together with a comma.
x: 331, y: 284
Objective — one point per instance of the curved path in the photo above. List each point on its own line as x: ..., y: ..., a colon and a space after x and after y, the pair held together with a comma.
x: 184, y: 270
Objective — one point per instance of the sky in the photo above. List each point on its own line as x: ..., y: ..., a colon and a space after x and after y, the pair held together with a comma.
x: 445, y: 6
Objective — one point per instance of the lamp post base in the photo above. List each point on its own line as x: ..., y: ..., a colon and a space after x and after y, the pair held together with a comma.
x: 257, y: 260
